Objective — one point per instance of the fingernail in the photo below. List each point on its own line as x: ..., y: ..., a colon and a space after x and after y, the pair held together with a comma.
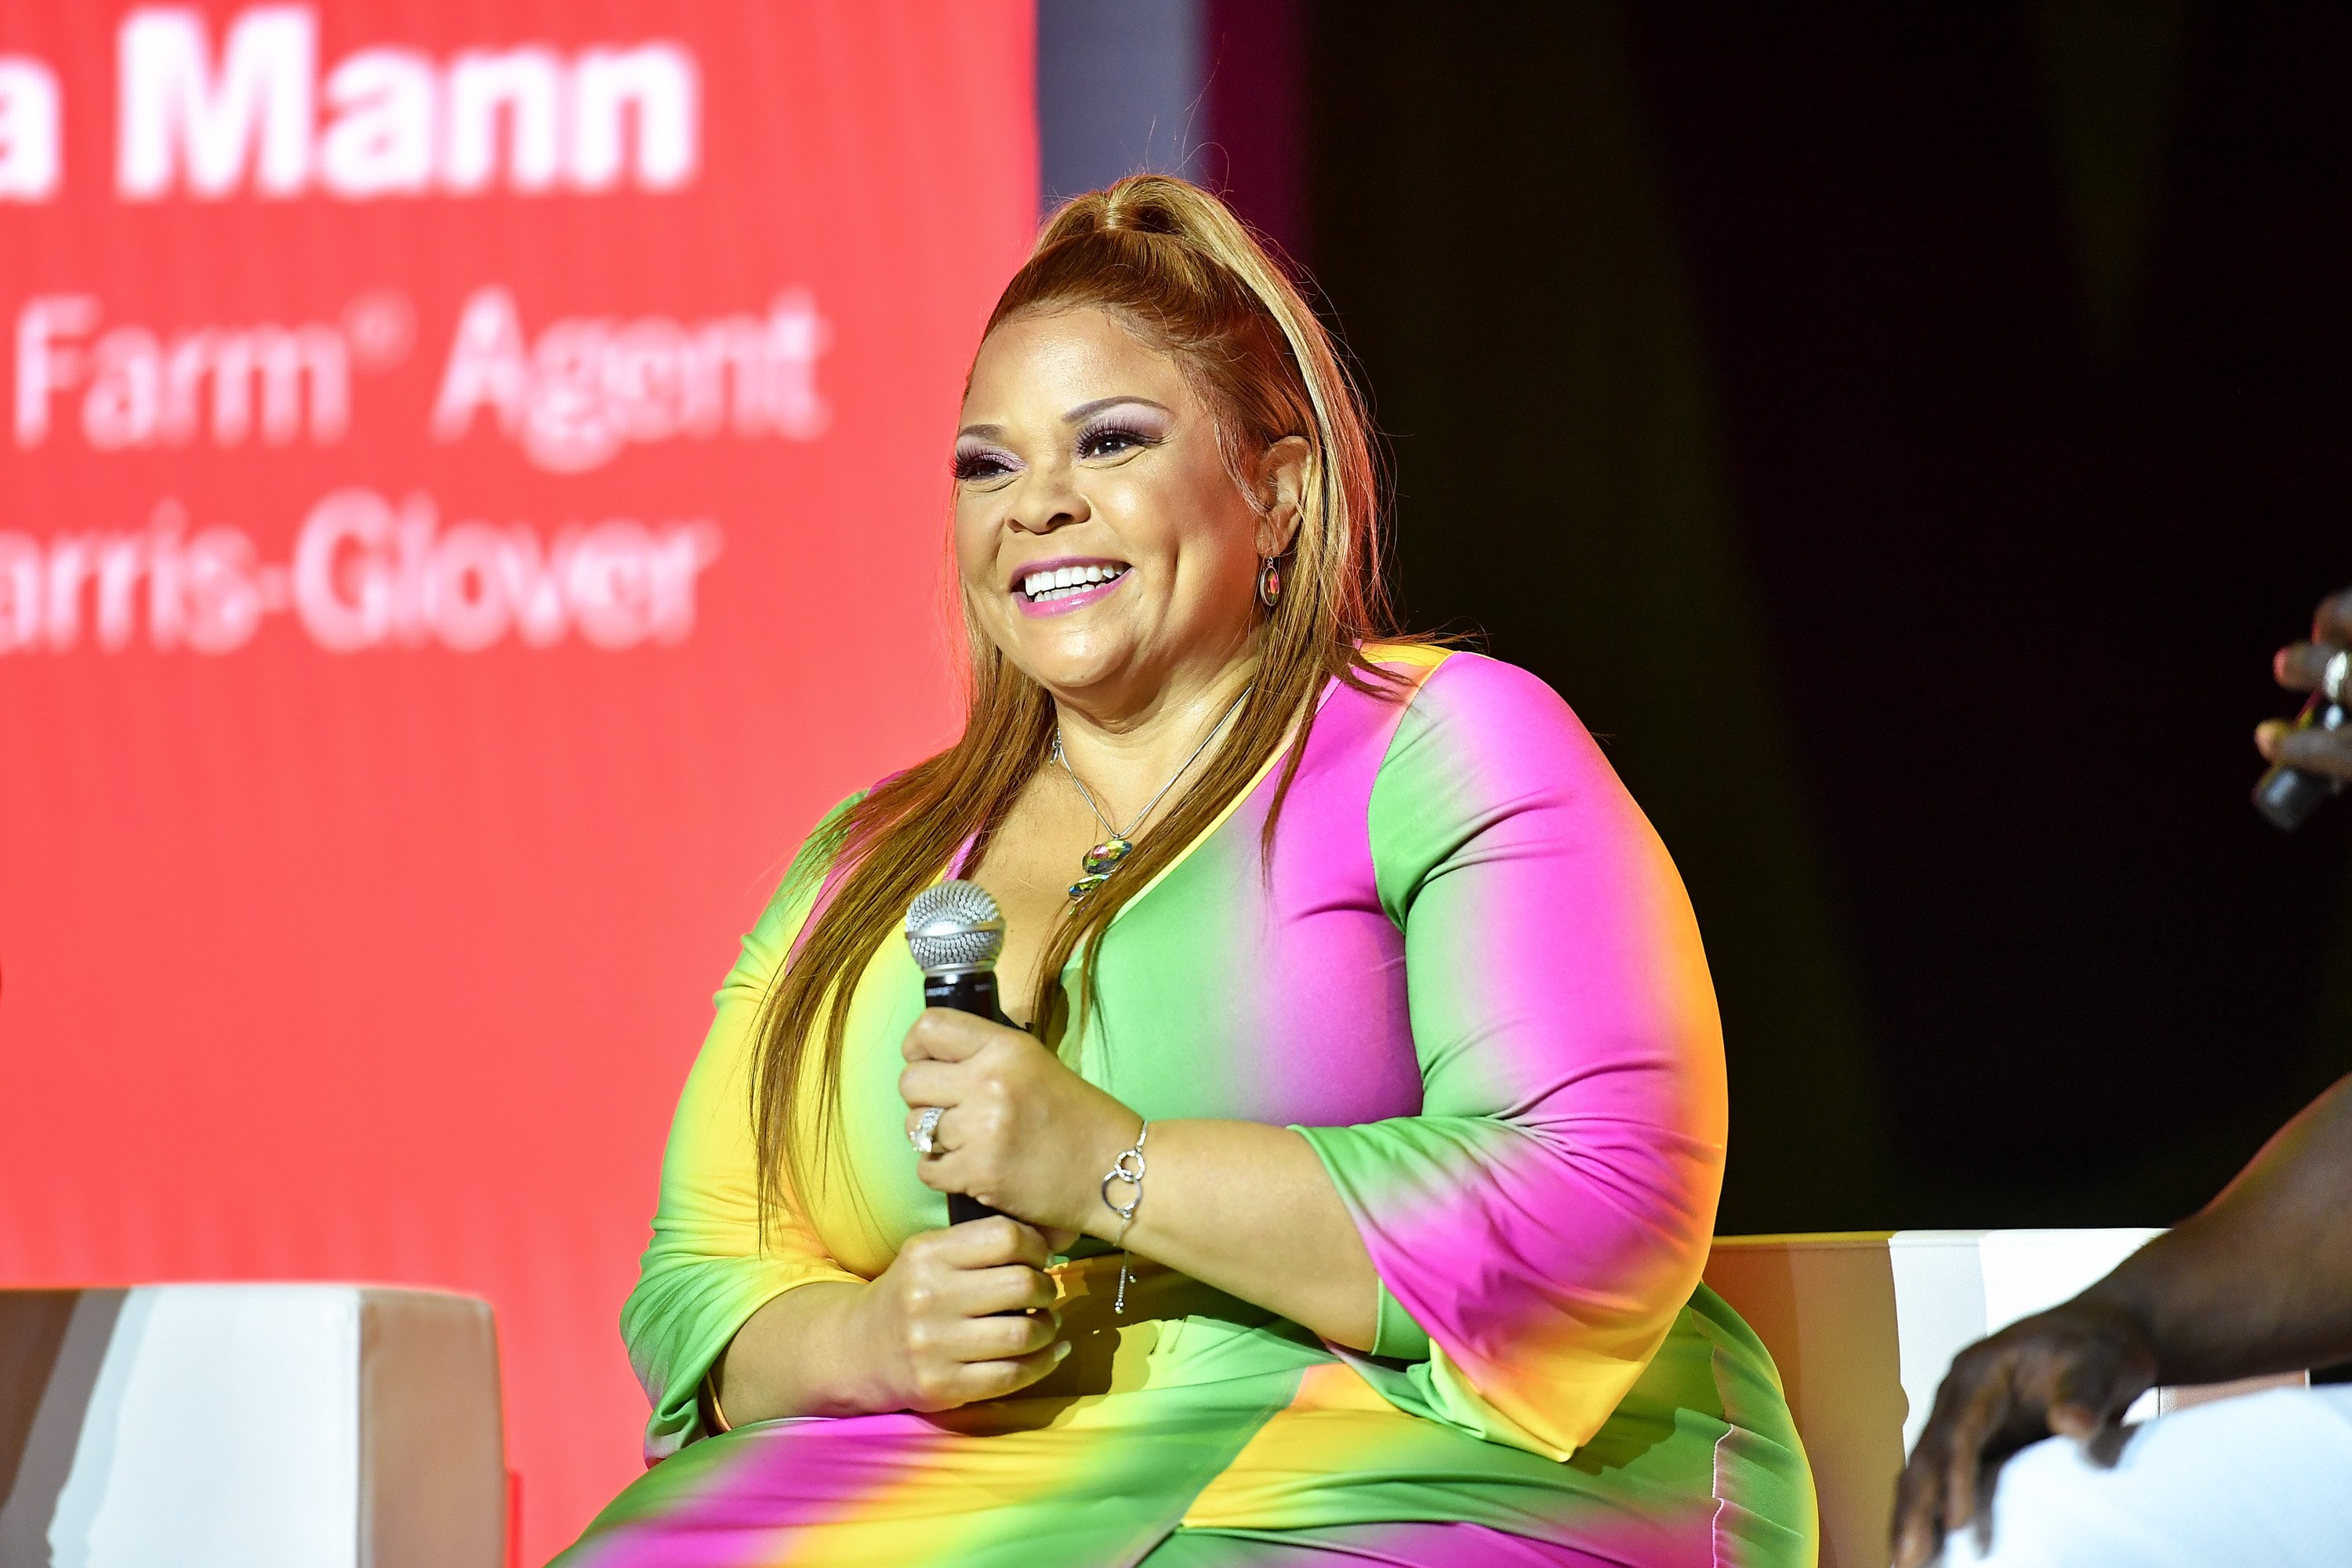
x: 1062, y: 1351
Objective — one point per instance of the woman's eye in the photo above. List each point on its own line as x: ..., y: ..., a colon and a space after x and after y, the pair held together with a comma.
x: 971, y: 465
x: 1111, y: 443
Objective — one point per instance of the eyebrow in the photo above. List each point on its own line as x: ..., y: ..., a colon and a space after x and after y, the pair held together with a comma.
x: 1084, y: 411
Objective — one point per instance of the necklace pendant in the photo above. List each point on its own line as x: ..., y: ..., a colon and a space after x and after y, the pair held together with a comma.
x: 1099, y: 860
x: 1089, y: 883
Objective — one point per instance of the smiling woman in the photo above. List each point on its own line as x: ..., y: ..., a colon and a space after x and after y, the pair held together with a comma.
x: 1363, y: 1022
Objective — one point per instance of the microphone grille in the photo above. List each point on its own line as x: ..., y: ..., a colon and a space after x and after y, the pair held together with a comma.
x: 955, y: 925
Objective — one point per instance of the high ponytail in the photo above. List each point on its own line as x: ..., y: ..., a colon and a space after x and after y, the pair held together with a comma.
x: 1255, y: 350
x: 1173, y: 263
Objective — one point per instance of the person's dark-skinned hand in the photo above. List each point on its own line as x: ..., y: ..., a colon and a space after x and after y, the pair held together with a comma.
x: 2257, y: 1283
x: 2299, y: 668
x: 2072, y: 1371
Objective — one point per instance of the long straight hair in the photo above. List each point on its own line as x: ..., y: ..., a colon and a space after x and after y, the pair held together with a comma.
x: 1171, y: 263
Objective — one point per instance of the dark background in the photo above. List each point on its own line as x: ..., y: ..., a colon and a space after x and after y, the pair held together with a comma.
x: 1904, y: 434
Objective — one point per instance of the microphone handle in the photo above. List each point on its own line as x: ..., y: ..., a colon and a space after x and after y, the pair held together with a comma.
x: 970, y: 991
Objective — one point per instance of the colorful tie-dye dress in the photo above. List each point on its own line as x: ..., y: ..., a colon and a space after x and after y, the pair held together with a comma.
x: 1471, y: 979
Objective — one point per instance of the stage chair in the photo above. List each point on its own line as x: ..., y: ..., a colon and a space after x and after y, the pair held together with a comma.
x: 1865, y: 1324
x: 251, y: 1426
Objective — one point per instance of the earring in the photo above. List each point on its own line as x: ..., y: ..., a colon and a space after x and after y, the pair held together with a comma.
x: 1269, y: 584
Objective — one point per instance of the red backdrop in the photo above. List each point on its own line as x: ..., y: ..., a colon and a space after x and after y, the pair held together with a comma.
x: 473, y: 493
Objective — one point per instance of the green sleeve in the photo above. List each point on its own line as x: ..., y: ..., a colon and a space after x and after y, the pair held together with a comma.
x: 707, y: 1269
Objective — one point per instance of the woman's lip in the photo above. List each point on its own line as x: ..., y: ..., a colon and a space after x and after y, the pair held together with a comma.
x: 1092, y: 593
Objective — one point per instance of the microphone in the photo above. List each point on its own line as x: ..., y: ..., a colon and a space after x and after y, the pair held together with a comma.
x: 2286, y: 796
x: 955, y: 931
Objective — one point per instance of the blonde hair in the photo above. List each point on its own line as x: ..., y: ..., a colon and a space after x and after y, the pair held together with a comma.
x: 1170, y: 262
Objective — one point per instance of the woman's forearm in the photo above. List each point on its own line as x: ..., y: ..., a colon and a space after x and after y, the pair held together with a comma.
x: 1239, y: 1206
x: 2261, y: 1280
x: 960, y: 1314
x: 1248, y: 1209
x: 800, y: 1354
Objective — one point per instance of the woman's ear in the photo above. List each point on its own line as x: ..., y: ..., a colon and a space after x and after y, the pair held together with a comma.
x: 1282, y: 477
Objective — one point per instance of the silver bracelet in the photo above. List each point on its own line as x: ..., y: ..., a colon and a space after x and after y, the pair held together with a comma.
x: 1129, y: 1169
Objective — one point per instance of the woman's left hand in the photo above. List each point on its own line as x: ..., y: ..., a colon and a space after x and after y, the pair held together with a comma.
x: 1022, y: 1132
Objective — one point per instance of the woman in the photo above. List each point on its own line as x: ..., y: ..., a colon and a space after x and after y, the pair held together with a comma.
x: 1370, y: 1089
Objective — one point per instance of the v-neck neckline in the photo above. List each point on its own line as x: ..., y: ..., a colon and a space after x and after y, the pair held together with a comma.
x: 958, y: 864
x: 1332, y: 684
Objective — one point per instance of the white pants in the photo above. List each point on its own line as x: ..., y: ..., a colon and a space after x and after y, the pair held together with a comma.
x: 2263, y: 1480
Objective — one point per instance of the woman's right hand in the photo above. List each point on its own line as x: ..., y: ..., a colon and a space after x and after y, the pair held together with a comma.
x: 932, y: 1334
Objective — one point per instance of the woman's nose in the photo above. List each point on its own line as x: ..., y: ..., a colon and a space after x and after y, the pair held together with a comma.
x: 1046, y: 500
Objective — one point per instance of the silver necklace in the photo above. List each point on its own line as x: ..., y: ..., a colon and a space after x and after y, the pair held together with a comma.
x: 1101, y: 860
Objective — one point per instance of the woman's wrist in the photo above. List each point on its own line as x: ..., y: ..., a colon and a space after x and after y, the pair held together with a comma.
x: 809, y: 1352
x: 1119, y: 1135
x: 858, y: 1355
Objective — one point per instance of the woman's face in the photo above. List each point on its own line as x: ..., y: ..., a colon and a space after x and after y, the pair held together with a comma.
x: 1100, y: 540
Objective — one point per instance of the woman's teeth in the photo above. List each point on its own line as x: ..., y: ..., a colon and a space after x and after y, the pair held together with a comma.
x: 1044, y: 587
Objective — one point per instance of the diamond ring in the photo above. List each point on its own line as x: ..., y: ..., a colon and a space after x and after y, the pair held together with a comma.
x: 925, y: 1134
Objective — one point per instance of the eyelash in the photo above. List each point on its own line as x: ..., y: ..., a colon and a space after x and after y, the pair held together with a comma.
x: 971, y: 466
x: 1112, y: 431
